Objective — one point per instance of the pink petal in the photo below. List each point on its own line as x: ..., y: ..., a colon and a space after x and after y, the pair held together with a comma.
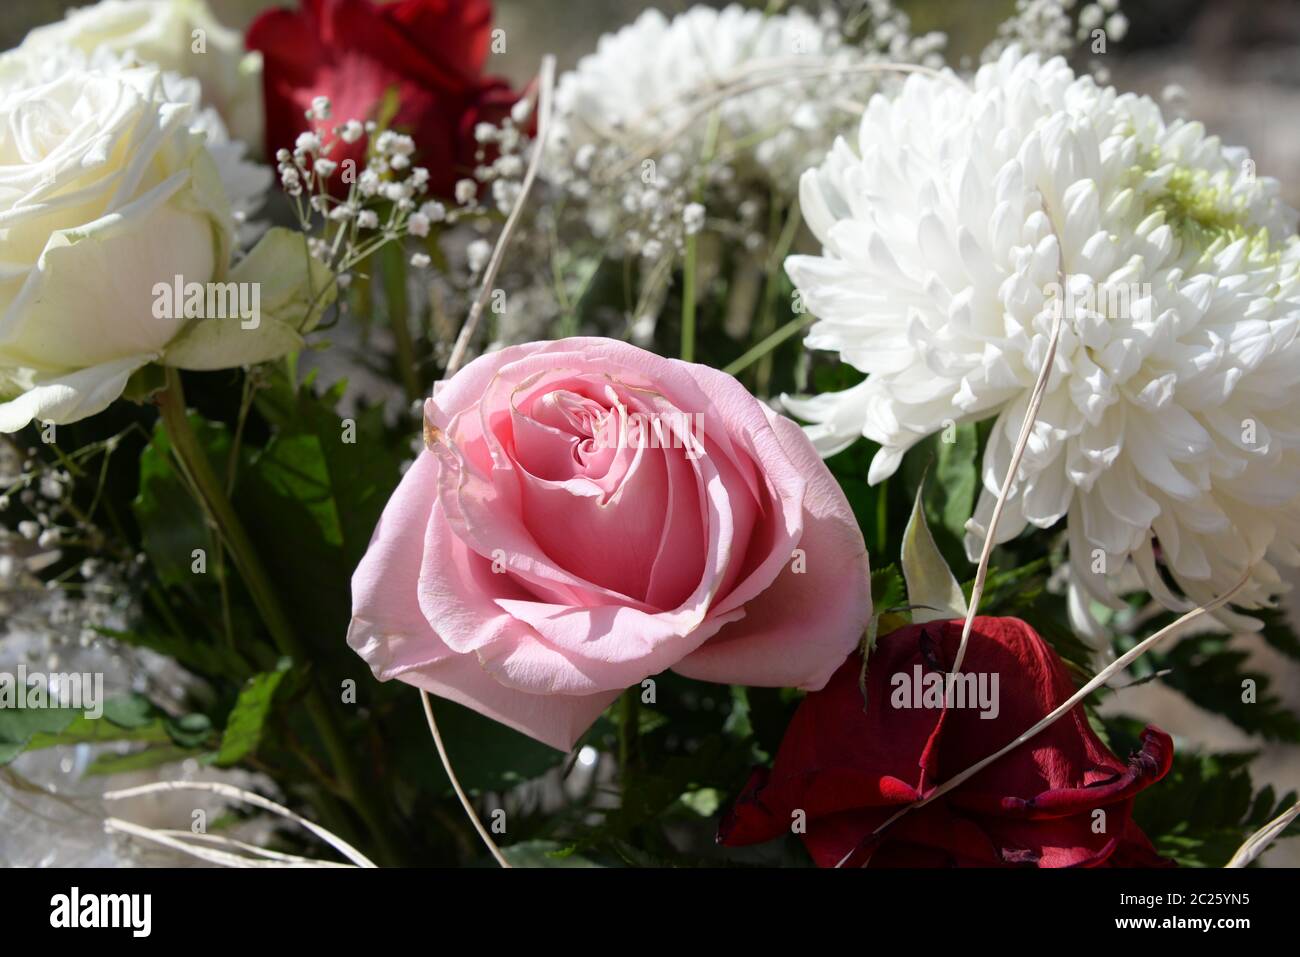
x: 555, y: 719
x: 800, y: 630
x: 388, y: 628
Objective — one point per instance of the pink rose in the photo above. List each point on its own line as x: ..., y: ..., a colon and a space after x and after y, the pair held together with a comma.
x: 588, y: 514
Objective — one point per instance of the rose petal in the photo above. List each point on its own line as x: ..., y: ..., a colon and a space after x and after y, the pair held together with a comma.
x: 774, y: 645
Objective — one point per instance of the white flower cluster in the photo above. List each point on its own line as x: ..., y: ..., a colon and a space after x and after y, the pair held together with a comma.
x: 713, y: 104
x: 46, y: 528
x: 383, y: 201
x: 386, y: 200
x: 1169, y: 434
x: 505, y: 173
x: 1049, y: 27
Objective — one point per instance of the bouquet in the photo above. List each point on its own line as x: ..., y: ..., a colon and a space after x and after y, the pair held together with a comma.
x: 774, y: 439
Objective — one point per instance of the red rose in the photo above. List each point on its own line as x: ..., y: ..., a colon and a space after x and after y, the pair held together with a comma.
x: 354, y: 51
x: 850, y: 768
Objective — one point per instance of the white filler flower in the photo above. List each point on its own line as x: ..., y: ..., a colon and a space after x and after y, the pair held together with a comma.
x: 1170, y: 430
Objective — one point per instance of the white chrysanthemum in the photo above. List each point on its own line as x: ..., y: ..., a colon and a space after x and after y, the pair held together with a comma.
x: 1170, y: 430
x: 645, y: 81
x: 662, y: 104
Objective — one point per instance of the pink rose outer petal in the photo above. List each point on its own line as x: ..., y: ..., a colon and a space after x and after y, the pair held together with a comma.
x: 391, y: 633
x: 798, y: 631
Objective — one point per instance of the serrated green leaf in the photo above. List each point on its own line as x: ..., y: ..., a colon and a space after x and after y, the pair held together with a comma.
x: 1212, y: 673
x: 244, y: 726
x: 888, y: 590
x: 1277, y: 631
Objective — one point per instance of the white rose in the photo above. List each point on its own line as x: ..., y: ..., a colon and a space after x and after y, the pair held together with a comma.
x: 180, y: 36
x: 109, y: 190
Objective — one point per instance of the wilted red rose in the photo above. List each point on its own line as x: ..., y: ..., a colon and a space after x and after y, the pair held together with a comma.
x: 431, y: 52
x: 1061, y: 799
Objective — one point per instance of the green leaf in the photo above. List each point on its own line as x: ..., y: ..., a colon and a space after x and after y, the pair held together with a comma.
x: 189, y: 731
x: 311, y: 499
x: 487, y: 755
x: 1205, y: 808
x: 1277, y: 631
x: 1209, y: 671
x: 950, y: 499
x: 130, y: 718
x: 244, y: 726
x: 129, y: 711
x: 544, y: 854
x: 932, y: 590
x: 142, y: 760
x: 172, y: 524
x: 888, y: 590
x: 1016, y: 586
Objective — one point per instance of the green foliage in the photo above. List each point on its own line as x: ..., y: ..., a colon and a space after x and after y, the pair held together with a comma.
x: 127, y: 719
x: 888, y: 590
x: 244, y: 726
x: 171, y: 520
x: 1207, y: 805
x: 950, y: 497
x: 1210, y: 671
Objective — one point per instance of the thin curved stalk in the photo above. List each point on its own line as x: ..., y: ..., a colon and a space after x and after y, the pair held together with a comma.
x: 247, y: 797
x: 1259, y: 841
x: 455, y: 783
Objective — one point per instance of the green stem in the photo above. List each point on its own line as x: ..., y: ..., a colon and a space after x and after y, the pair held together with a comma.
x: 393, y: 270
x: 692, y: 242
x: 797, y: 324
x: 629, y: 727
x: 779, y: 249
x: 171, y: 403
x: 688, y: 302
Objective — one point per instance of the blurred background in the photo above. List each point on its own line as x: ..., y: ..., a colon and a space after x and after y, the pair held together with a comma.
x: 1232, y: 64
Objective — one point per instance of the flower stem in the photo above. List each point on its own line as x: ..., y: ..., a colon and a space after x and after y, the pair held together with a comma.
x: 689, y: 264
x: 791, y: 328
x: 629, y: 729
x: 171, y: 403
x: 392, y: 267
x: 688, y: 301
